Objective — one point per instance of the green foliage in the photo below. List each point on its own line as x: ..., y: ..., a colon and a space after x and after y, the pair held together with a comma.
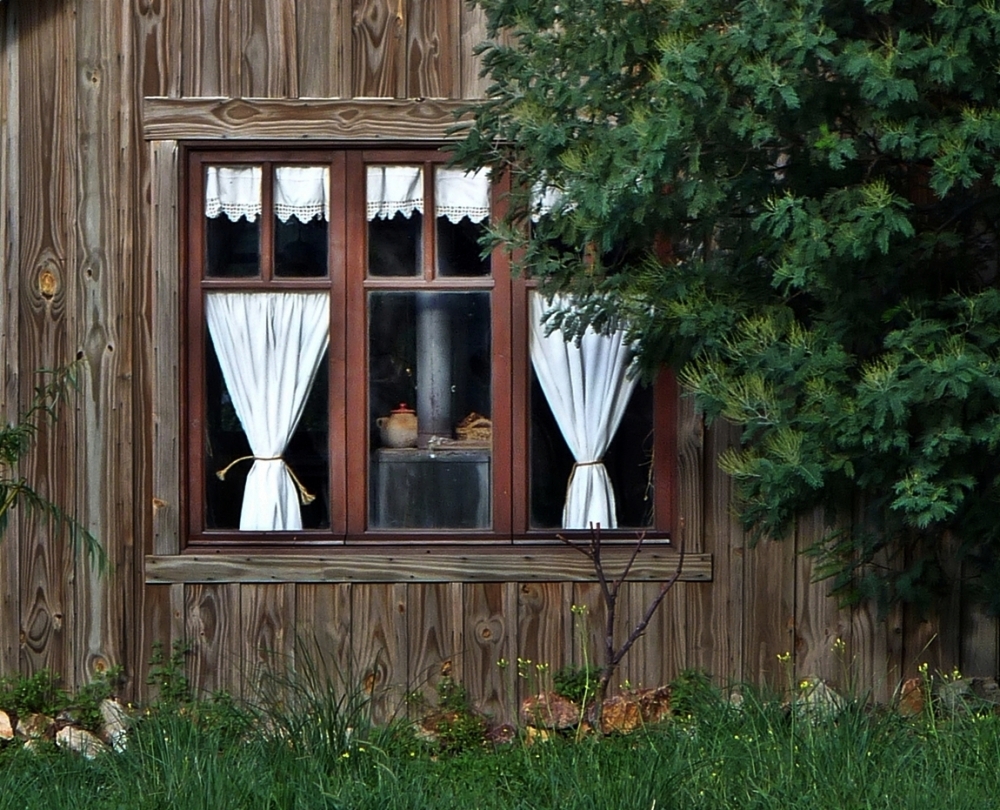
x: 42, y: 693
x: 458, y: 727
x: 16, y: 441
x: 168, y: 676
x: 577, y: 684
x: 796, y: 205
x: 39, y: 693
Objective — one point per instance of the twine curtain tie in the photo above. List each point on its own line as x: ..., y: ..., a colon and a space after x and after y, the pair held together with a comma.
x: 572, y: 472
x: 304, y: 495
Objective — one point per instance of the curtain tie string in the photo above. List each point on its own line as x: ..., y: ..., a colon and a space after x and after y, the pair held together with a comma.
x: 572, y: 473
x: 304, y: 495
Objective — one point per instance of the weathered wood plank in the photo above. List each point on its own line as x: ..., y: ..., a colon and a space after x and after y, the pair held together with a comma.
x: 10, y: 401
x: 716, y: 610
x: 821, y: 629
x: 482, y: 565
x: 323, y: 637
x: 47, y: 305
x: 165, y: 415
x: 157, y: 33
x: 472, y: 28
x: 377, y: 45
x: 544, y: 632
x: 267, y: 618
x: 163, y: 624
x: 980, y: 652
x: 321, y: 48
x: 269, y: 49
x: 431, y: 49
x: 490, y: 618
x: 210, y: 48
x: 105, y: 158
x: 212, y: 626
x: 770, y: 611
x: 434, y: 637
x: 298, y: 119
x: 378, y: 643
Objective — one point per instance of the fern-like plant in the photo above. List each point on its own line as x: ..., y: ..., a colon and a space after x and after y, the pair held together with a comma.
x: 16, y: 441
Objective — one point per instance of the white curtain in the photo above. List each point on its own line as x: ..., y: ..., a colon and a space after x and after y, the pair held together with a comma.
x: 299, y: 191
x: 587, y: 388
x: 269, y: 346
x: 458, y: 194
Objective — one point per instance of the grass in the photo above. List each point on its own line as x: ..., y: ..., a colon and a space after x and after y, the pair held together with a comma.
x: 217, y: 755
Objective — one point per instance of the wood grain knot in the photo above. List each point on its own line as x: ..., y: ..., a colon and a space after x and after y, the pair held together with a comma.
x: 48, y: 284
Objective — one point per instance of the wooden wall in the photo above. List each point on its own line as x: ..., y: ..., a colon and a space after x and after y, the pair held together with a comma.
x: 94, y: 97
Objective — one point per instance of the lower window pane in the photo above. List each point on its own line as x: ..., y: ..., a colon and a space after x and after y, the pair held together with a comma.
x: 628, y: 460
x: 307, y: 454
x: 429, y: 410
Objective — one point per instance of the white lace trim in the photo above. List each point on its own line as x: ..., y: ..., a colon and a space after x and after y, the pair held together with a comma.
x: 458, y: 194
x: 233, y: 191
x: 302, y: 192
x: 299, y: 191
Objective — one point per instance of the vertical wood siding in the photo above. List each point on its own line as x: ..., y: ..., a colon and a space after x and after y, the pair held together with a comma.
x: 89, y: 246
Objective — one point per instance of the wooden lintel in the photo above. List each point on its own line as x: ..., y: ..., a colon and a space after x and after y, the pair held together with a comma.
x: 269, y: 119
x: 557, y: 565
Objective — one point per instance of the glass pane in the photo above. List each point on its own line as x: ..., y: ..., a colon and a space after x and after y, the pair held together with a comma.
x: 307, y: 454
x: 300, y: 248
x: 232, y: 225
x: 430, y: 410
x: 462, y: 207
x: 459, y: 252
x: 629, y: 461
x: 233, y: 248
x: 395, y: 197
x: 301, y: 211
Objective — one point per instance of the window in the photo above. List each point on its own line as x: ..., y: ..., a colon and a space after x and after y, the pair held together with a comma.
x: 358, y: 371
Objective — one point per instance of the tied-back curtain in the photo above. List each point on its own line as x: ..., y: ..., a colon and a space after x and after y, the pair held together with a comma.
x: 587, y: 388
x: 302, y: 192
x: 458, y: 194
x: 269, y: 347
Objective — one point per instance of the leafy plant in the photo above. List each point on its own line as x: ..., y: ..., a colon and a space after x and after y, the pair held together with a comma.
x: 39, y: 693
x: 16, y: 441
x: 576, y: 683
x: 168, y: 676
x: 795, y: 205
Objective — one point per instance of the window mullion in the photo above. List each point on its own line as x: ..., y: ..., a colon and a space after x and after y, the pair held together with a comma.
x: 430, y: 220
x: 267, y: 222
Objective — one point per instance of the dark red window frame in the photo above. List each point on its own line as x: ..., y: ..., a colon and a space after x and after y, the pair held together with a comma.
x: 347, y: 285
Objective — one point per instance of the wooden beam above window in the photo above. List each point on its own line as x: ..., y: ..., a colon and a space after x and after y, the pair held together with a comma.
x: 358, y: 120
x: 370, y: 565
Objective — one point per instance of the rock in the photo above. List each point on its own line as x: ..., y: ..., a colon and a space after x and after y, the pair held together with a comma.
x: 953, y: 696
x: 911, y: 697
x: 6, y: 728
x: 80, y: 740
x: 817, y: 700
x: 631, y: 710
x: 115, y: 727
x: 35, y: 726
x: 987, y: 690
x: 431, y: 725
x: 550, y: 710
x: 533, y: 735
x: 500, y: 735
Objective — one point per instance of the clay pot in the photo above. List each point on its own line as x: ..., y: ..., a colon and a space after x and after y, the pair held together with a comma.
x: 399, y: 428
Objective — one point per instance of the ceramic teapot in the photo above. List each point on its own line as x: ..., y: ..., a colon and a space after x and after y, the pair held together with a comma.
x: 399, y: 428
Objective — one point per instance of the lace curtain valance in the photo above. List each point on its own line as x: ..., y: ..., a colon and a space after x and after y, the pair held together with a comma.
x: 400, y: 190
x: 302, y: 192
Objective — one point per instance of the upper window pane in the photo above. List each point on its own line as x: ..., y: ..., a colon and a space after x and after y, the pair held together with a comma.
x: 232, y: 227
x: 301, y: 217
x: 462, y: 209
x: 395, y: 197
